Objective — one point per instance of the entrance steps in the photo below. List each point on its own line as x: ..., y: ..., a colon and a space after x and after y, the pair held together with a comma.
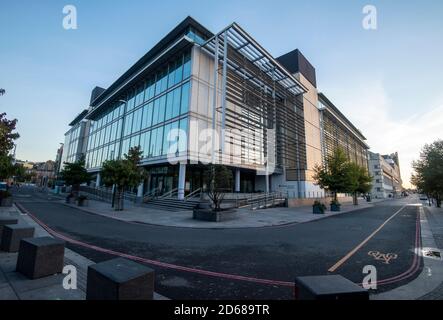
x: 172, y: 204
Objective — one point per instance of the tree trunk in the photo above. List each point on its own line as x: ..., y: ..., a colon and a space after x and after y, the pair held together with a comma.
x: 355, y: 198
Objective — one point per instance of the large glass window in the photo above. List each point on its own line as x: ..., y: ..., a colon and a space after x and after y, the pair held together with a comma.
x: 144, y: 143
x: 147, y: 116
x: 140, y: 95
x: 187, y: 66
x: 150, y: 89
x: 136, y: 124
x: 176, y: 102
x: 185, y: 98
x: 131, y: 101
x: 128, y: 124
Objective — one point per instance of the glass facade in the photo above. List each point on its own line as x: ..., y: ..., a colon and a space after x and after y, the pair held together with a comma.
x: 155, y: 106
x: 72, y: 146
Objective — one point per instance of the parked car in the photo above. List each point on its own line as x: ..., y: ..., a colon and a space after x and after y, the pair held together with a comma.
x: 3, y: 186
x: 423, y: 197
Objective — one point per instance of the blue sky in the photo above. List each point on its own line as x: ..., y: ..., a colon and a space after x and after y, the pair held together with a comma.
x: 387, y: 81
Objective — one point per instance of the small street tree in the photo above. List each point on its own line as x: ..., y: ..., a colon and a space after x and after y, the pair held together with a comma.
x: 335, y: 176
x: 428, y: 175
x: 74, y: 174
x: 6, y: 167
x: 218, y: 181
x: 123, y: 173
x: 360, y: 181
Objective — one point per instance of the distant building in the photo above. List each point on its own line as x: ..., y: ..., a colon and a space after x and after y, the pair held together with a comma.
x: 75, y: 140
x: 385, y: 171
x: 58, y: 159
x: 45, y: 173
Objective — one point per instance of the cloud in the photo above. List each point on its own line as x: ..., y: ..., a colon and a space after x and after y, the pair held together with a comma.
x: 368, y: 107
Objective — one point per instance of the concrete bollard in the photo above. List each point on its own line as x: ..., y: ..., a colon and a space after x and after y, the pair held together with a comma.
x: 13, y: 234
x: 329, y: 287
x: 120, y: 279
x: 40, y: 257
x: 4, y: 222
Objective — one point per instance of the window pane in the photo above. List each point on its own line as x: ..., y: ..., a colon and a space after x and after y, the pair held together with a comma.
x: 150, y: 89
x: 128, y: 124
x: 179, y: 70
x: 131, y: 101
x: 155, y: 112
x: 171, y: 77
x: 136, y: 124
x: 187, y: 66
x: 165, y: 146
x: 176, y: 102
x: 140, y: 95
x: 147, y: 116
x: 169, y: 105
x: 183, y: 143
x: 162, y: 109
x: 185, y: 98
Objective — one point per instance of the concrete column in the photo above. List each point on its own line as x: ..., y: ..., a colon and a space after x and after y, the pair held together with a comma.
x: 98, y: 180
x: 181, y: 181
x: 237, y: 180
x: 140, y: 192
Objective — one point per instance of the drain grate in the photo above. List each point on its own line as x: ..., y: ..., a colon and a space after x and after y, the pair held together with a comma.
x: 432, y: 253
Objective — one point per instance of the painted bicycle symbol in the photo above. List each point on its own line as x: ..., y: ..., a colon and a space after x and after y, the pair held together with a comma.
x: 385, y: 257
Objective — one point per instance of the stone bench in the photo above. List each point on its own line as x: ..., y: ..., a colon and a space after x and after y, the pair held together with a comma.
x: 120, y: 279
x: 329, y: 287
x: 40, y: 257
x: 13, y: 234
x: 5, y: 221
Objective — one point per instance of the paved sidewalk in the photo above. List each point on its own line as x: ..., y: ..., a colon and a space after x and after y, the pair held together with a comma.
x: 243, y: 218
x: 435, y: 218
x: 15, y: 286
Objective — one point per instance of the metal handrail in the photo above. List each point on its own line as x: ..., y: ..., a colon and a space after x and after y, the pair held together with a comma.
x: 193, y: 193
x: 169, y: 194
x: 150, y: 194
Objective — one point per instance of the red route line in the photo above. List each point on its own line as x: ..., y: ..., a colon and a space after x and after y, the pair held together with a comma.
x: 59, y: 235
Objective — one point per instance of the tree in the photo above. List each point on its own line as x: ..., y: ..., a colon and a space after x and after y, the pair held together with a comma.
x: 428, y: 171
x: 218, y: 182
x: 6, y: 167
x: 7, y: 136
x: 360, y: 181
x: 334, y: 176
x: 19, y: 172
x: 74, y: 174
x: 123, y: 173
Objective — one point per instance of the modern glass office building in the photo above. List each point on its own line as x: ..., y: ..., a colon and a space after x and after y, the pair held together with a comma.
x: 338, y: 132
x: 198, y: 97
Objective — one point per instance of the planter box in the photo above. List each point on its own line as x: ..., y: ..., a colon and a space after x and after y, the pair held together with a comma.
x: 317, y: 210
x: 82, y: 203
x: 6, y: 202
x: 335, y: 207
x: 213, y: 216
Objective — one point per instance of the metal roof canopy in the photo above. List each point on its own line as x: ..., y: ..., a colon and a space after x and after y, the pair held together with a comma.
x: 244, y: 44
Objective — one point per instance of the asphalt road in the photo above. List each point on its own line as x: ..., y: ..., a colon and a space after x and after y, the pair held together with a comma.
x: 274, y: 253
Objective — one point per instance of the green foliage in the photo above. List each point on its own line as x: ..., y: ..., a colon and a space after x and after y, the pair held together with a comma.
x: 218, y: 181
x: 428, y: 175
x: 319, y: 205
x: 334, y: 176
x: 74, y: 174
x: 7, y: 136
x: 342, y: 176
x: 123, y: 173
x: 6, y: 167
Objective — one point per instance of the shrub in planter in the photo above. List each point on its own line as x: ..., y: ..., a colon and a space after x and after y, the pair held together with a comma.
x: 5, y: 199
x: 82, y: 201
x: 318, y: 208
x: 335, y: 205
